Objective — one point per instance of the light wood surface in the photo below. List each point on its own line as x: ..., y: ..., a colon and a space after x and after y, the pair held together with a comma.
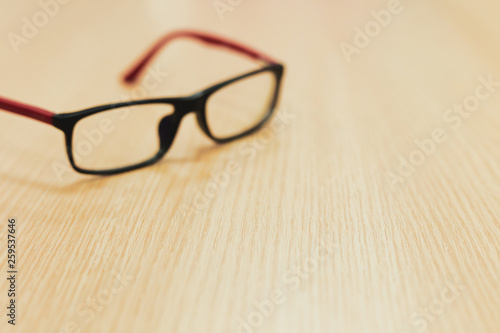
x: 310, y: 221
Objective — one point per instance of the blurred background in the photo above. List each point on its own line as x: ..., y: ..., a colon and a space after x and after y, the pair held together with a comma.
x: 368, y: 84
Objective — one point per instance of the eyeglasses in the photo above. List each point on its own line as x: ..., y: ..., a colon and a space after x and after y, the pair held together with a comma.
x: 121, y: 137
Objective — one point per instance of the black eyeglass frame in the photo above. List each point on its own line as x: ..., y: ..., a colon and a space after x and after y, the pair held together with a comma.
x: 182, y: 105
x: 169, y: 125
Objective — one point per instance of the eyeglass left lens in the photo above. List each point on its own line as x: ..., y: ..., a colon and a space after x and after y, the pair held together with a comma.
x: 118, y: 138
x: 241, y: 105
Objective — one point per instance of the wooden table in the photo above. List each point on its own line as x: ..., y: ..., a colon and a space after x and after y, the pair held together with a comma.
x: 374, y: 207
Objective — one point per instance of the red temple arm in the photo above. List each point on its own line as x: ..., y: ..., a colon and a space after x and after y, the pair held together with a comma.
x: 132, y: 75
x: 26, y: 110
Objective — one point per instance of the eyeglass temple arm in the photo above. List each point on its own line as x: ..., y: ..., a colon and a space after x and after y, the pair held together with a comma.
x: 133, y: 74
x: 26, y: 110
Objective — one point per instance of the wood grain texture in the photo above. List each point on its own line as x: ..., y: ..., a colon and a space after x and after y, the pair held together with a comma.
x: 309, y: 234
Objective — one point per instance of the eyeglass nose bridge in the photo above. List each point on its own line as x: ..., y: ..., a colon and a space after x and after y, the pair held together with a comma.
x: 167, y: 129
x: 190, y: 104
x: 169, y: 125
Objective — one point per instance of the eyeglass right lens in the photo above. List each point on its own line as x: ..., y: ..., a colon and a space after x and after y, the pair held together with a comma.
x: 119, y: 137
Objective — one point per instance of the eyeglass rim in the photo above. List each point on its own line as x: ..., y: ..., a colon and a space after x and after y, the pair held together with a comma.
x: 66, y: 122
